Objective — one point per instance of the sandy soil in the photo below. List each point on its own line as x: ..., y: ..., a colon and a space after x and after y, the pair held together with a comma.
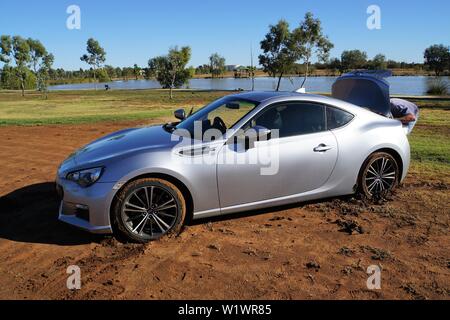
x: 317, y: 250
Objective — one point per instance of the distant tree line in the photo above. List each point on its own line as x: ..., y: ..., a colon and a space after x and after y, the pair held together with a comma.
x: 28, y: 65
x: 357, y: 59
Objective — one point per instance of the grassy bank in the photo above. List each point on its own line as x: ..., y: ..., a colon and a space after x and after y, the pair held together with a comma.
x: 430, y: 148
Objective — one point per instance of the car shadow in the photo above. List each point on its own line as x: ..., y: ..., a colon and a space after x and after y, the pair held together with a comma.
x: 30, y: 214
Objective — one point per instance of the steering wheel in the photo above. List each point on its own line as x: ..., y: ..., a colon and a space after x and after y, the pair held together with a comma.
x: 218, y: 123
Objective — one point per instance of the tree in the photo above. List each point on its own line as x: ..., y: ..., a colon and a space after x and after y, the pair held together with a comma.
x: 279, y: 52
x: 252, y: 69
x: 37, y: 53
x: 391, y: 64
x: 103, y: 75
x: 136, y: 71
x: 44, y: 73
x: 437, y: 58
x: 10, y: 79
x: 170, y: 70
x: 191, y: 71
x: 5, y: 52
x: 127, y: 72
x: 5, y: 48
x: 203, y: 69
x: 111, y: 71
x: 353, y: 59
x: 335, y: 65
x: 95, y: 56
x: 378, y: 62
x: 309, y: 40
x: 117, y: 72
x: 148, y: 74
x: 16, y: 49
x: 217, y: 65
x: 41, y: 62
x: 20, y: 51
x: 5, y: 75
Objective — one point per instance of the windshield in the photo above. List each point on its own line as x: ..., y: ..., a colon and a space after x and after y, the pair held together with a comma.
x: 221, y: 115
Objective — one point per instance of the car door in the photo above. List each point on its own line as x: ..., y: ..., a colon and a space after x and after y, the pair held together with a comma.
x: 299, y: 157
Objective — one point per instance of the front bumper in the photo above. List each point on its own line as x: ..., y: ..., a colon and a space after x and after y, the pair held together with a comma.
x: 86, y: 208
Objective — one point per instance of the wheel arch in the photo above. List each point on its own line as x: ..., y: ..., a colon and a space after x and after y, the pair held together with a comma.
x: 178, y: 183
x: 396, y: 156
x: 394, y: 153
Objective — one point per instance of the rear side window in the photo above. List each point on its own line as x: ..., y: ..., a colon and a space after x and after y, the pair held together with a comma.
x: 337, y: 118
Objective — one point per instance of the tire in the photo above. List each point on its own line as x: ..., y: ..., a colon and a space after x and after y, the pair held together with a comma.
x: 137, y: 213
x: 374, y: 181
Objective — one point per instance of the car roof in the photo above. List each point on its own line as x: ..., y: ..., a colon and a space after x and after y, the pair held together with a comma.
x: 279, y: 96
x: 260, y: 96
x: 263, y: 96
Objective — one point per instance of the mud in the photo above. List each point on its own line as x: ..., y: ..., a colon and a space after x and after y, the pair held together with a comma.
x: 315, y: 250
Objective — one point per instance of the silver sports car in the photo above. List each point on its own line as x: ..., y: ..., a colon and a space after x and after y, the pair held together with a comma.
x: 242, y: 152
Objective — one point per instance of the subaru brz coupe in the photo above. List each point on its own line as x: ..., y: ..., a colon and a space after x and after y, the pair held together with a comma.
x: 242, y: 152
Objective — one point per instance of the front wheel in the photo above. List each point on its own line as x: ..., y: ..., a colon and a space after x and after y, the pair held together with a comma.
x: 147, y: 209
x: 379, y: 174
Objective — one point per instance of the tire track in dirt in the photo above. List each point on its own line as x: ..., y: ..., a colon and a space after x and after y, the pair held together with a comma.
x: 317, y: 250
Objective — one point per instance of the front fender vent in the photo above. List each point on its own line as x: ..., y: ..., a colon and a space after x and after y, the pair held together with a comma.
x: 196, y: 151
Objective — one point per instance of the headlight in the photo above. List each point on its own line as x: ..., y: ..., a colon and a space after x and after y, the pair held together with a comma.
x: 85, y: 178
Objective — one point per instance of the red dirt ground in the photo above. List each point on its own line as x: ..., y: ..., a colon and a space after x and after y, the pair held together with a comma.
x: 298, y: 252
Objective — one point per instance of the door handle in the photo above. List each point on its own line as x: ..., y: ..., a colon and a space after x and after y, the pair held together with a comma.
x: 322, y: 148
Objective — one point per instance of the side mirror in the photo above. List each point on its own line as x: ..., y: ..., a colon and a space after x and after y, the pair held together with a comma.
x: 251, y: 135
x: 180, y: 114
x: 233, y: 105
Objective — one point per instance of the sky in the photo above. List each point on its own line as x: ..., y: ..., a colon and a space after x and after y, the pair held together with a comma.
x: 133, y: 31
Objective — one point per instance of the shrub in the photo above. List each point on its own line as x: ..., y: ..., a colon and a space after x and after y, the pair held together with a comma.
x: 438, y: 87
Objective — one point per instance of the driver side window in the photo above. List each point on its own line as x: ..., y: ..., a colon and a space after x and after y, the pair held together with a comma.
x: 292, y: 118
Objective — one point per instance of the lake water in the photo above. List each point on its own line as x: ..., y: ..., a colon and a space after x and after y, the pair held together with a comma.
x: 399, y: 85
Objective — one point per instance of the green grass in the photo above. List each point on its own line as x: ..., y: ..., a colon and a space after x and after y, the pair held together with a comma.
x: 430, y: 143
x: 429, y: 147
x: 436, y: 103
x: 91, y: 106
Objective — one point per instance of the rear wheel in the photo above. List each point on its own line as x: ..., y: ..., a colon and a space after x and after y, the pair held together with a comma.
x: 379, y: 174
x: 147, y: 209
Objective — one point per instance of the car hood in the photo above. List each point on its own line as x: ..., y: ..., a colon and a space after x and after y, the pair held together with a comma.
x: 118, y: 144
